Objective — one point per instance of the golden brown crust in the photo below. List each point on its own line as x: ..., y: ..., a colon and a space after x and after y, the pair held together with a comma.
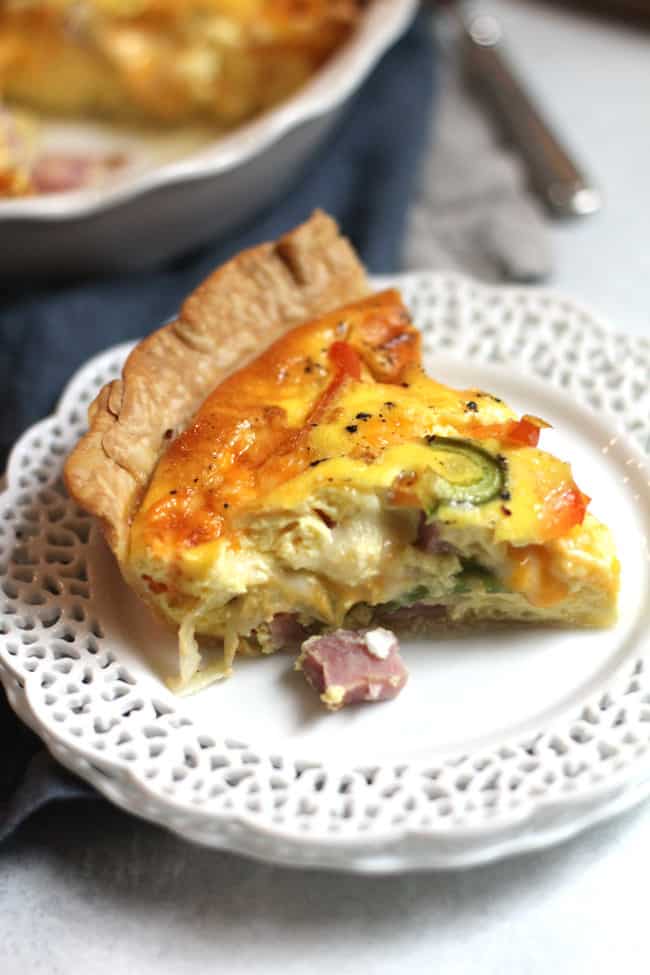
x: 241, y: 308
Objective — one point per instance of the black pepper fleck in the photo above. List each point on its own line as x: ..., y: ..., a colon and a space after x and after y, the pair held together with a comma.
x: 363, y: 416
x: 507, y: 512
x: 173, y: 492
x: 505, y: 495
x: 352, y: 428
x: 315, y: 463
x: 405, y: 385
x: 389, y: 404
x: 226, y: 505
x: 471, y: 405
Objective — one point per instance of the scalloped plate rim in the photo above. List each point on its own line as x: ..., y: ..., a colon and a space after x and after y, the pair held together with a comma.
x: 607, y: 802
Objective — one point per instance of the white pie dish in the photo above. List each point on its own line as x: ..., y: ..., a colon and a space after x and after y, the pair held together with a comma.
x: 158, y: 210
x: 501, y: 742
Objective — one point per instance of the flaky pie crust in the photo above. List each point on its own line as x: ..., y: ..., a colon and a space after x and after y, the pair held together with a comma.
x: 230, y: 318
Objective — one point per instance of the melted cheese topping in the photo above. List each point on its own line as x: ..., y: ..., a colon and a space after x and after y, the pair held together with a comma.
x: 293, y: 423
x: 533, y: 573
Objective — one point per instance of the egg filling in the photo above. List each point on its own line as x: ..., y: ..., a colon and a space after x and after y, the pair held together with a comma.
x: 332, y: 483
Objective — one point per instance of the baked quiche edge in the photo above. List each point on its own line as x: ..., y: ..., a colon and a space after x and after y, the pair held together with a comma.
x: 240, y: 308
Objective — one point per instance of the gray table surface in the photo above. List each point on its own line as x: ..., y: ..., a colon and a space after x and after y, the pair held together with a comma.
x: 86, y: 886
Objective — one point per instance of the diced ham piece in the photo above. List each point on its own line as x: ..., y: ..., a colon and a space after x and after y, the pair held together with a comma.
x: 429, y: 540
x: 346, y: 667
x: 58, y: 172
x: 286, y: 632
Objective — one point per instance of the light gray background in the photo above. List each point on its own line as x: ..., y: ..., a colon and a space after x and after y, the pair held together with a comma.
x: 86, y: 888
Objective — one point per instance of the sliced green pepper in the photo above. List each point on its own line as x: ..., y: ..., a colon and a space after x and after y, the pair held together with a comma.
x: 473, y: 575
x: 463, y: 472
x: 407, y: 599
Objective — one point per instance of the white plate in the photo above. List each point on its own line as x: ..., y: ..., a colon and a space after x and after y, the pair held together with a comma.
x: 168, y: 200
x: 501, y: 741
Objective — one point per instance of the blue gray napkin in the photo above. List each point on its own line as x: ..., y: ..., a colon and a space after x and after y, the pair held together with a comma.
x: 364, y: 176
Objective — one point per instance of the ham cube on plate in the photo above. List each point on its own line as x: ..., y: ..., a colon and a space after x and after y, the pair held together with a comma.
x: 349, y: 666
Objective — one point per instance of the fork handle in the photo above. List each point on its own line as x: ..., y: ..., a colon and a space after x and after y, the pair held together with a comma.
x: 565, y: 188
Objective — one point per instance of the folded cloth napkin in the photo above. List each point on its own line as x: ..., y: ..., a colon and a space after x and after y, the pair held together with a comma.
x: 363, y: 176
x: 473, y: 211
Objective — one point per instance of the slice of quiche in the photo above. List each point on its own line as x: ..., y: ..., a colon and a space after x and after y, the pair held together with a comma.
x: 329, y: 483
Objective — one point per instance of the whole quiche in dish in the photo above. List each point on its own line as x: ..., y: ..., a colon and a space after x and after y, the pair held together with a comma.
x: 165, y: 61
x: 275, y: 470
x: 148, y: 65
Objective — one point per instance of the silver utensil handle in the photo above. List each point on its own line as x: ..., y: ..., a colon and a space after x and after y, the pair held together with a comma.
x: 563, y: 186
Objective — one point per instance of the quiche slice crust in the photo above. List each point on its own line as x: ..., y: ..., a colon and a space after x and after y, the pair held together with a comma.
x: 329, y: 482
x: 241, y: 307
